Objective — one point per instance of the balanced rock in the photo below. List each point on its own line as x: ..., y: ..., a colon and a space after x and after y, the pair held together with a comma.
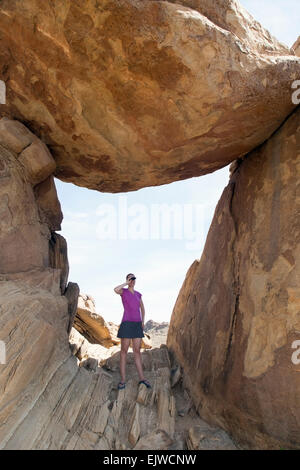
x: 134, y: 93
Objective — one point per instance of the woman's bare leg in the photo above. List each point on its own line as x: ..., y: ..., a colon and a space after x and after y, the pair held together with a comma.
x: 136, y: 344
x: 124, y: 348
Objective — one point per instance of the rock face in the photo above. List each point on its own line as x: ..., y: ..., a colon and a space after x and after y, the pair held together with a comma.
x: 23, y: 237
x: 238, y: 311
x: 296, y: 47
x: 29, y: 206
x: 33, y: 326
x: 123, y: 101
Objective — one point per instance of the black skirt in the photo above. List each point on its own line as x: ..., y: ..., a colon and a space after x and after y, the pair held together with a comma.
x: 130, y: 329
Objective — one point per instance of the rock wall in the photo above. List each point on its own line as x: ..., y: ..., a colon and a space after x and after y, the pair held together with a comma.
x: 30, y: 210
x: 238, y: 310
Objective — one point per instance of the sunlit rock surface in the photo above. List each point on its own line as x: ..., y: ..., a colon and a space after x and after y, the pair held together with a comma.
x: 237, y: 314
x: 135, y: 93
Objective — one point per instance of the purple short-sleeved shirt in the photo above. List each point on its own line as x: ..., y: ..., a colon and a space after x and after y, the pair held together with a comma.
x: 131, y: 302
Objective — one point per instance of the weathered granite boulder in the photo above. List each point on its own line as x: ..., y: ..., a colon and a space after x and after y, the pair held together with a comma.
x: 29, y: 207
x: 24, y: 238
x: 237, y: 314
x: 33, y: 326
x: 135, y: 93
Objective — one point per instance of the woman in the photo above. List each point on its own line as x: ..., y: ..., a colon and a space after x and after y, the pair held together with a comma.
x: 131, y: 327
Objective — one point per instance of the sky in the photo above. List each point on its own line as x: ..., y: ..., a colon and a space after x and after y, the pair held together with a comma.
x: 280, y: 17
x: 157, y: 232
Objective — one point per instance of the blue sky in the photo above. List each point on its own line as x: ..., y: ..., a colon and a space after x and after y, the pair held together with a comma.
x: 280, y: 17
x: 94, y: 222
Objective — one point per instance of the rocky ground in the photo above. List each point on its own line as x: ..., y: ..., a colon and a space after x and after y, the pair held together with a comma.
x: 162, y: 417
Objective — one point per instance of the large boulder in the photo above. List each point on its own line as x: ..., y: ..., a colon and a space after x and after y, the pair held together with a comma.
x: 29, y: 206
x: 33, y: 327
x: 133, y: 93
x: 24, y: 238
x: 237, y: 316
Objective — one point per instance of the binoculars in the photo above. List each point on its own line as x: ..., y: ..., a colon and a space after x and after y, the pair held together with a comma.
x: 132, y: 278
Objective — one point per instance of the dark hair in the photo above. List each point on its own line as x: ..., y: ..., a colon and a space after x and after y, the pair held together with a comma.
x: 130, y: 274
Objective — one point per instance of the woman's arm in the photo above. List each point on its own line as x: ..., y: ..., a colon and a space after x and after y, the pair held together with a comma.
x: 119, y: 289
